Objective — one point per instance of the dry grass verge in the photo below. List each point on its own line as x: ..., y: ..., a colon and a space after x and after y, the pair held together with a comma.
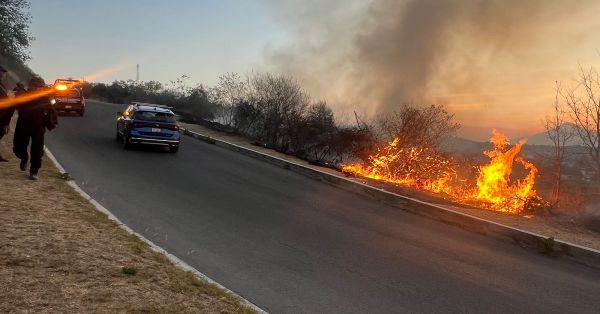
x: 59, y: 254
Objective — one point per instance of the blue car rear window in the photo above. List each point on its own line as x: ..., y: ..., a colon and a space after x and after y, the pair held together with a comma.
x: 154, y: 116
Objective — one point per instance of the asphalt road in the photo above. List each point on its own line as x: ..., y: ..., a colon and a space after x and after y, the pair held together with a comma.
x: 291, y: 244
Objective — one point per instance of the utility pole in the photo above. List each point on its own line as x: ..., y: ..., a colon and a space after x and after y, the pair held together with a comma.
x: 137, y: 77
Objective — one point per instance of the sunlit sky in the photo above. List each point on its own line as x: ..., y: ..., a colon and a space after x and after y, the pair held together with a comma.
x: 104, y: 40
x: 202, y: 39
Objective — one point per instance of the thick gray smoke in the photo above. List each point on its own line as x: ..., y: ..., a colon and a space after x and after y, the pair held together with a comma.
x: 405, y: 44
x: 380, y: 53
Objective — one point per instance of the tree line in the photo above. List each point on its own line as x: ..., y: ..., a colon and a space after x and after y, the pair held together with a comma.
x: 276, y: 112
x: 15, y: 37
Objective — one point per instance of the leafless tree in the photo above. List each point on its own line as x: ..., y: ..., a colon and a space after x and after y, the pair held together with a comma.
x: 179, y: 86
x: 583, y: 104
x: 560, y: 133
x: 280, y: 103
x: 418, y: 126
x: 230, y: 91
x: 319, y: 135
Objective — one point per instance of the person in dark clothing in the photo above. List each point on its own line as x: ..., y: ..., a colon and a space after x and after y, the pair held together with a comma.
x: 6, y: 112
x: 34, y: 117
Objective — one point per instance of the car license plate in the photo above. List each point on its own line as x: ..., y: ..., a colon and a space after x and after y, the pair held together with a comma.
x: 68, y: 107
x: 154, y: 130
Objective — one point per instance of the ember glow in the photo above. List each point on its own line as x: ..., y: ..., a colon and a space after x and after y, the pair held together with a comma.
x: 425, y: 169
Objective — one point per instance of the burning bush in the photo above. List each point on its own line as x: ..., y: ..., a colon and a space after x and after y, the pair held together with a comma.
x: 422, y: 168
x: 418, y: 125
x: 427, y: 169
x: 494, y: 186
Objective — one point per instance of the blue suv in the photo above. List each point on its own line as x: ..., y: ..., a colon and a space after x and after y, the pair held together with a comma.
x: 148, y: 124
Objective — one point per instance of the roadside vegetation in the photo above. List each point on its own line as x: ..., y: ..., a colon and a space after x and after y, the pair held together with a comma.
x: 276, y: 112
x: 14, y: 36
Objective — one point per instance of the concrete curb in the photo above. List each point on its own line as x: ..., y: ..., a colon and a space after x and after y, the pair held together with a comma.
x: 174, y: 259
x: 533, y: 241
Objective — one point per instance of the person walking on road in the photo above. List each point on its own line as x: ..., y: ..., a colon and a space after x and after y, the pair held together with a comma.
x: 6, y: 113
x: 35, y: 116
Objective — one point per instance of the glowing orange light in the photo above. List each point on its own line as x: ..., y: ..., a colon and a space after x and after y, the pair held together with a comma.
x: 61, y: 87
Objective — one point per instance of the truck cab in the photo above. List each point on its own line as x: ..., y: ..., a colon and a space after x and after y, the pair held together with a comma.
x: 68, y: 96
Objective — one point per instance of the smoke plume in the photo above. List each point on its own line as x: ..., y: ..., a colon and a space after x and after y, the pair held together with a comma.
x: 474, y: 55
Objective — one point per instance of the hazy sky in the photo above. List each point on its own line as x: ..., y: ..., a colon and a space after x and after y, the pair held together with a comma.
x: 493, y: 62
x: 200, y: 38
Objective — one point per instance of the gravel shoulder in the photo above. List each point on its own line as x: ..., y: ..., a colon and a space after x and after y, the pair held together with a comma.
x: 567, y: 229
x: 59, y: 254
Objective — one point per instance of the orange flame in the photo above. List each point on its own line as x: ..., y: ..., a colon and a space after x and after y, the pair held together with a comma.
x: 493, y: 184
x: 406, y: 166
x: 427, y: 170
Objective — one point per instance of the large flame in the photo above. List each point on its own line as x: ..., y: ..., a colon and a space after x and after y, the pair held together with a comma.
x: 494, y: 184
x: 425, y: 169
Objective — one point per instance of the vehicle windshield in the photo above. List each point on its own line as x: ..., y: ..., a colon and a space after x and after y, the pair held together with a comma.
x: 155, y: 116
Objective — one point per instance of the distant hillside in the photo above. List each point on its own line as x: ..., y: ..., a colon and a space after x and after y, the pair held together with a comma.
x: 483, y: 134
x: 465, y: 146
x: 543, y: 139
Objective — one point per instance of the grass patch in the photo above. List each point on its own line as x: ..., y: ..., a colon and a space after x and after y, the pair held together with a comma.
x: 129, y: 270
x: 65, y: 176
x: 549, y: 247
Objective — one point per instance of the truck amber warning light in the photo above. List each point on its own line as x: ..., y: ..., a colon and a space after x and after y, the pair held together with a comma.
x: 61, y: 87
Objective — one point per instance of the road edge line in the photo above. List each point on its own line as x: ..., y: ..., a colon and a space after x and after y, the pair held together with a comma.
x: 527, y: 239
x: 174, y: 259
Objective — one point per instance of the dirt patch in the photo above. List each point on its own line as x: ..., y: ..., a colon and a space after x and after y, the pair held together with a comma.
x: 566, y: 228
x: 59, y: 254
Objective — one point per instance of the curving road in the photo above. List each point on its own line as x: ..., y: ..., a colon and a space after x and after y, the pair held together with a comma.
x: 291, y: 244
